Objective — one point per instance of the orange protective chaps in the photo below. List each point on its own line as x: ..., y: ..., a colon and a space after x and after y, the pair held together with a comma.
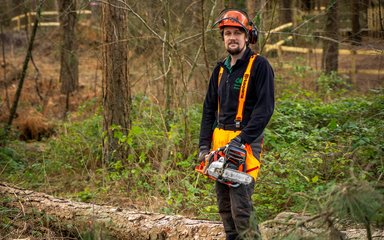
x: 222, y: 137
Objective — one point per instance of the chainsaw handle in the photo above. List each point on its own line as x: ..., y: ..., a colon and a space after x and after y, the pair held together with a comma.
x: 221, y: 149
x: 234, y: 185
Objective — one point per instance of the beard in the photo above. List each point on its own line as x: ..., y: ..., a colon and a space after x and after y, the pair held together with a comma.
x: 234, y: 51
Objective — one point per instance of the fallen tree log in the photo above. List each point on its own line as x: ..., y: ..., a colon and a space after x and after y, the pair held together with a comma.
x: 132, y: 224
x: 119, y: 223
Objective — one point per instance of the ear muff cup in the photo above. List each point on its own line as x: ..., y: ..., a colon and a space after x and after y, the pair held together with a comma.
x: 253, y: 34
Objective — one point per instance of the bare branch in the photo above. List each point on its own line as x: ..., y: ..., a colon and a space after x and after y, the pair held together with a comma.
x: 25, y: 67
x: 209, y: 24
x: 129, y: 8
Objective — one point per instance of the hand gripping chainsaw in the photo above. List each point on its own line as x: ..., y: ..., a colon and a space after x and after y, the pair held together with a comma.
x: 226, y: 165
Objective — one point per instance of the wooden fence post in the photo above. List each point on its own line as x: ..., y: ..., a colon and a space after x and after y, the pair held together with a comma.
x: 309, y: 53
x: 29, y: 22
x: 18, y: 24
x: 353, y: 67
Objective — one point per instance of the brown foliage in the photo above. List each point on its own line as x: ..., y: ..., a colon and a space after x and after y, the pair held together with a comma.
x: 31, y: 125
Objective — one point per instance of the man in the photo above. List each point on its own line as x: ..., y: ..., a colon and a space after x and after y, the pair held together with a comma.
x: 237, y: 107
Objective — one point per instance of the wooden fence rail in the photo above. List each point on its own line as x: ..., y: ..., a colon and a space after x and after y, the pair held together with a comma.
x: 353, y: 54
x: 29, y: 21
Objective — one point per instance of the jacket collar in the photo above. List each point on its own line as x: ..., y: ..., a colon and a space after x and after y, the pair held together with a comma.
x: 245, y: 58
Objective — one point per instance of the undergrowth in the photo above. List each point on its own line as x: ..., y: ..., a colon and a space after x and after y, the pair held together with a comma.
x: 310, y: 146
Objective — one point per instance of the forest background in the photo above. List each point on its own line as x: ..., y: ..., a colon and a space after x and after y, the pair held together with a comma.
x: 110, y: 102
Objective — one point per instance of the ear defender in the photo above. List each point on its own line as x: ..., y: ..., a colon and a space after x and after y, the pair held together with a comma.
x: 253, y: 34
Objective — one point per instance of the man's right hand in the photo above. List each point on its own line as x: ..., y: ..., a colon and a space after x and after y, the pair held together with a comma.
x: 204, y: 150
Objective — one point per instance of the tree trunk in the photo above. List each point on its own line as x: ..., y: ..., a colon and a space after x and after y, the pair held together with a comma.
x: 69, y: 66
x: 18, y: 7
x: 4, y: 65
x: 116, y: 86
x: 285, y: 11
x: 119, y: 223
x: 167, y: 67
x: 330, y: 42
x: 251, y: 7
x: 5, y: 13
x: 306, y: 5
x: 204, y: 44
x: 356, y: 28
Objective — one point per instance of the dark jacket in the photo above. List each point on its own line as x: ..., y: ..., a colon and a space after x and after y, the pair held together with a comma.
x: 259, y: 103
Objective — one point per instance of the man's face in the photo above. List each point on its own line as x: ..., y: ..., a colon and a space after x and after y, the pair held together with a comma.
x: 234, y: 40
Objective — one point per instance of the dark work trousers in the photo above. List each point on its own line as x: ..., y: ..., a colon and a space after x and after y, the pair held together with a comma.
x: 235, y: 208
x: 235, y: 204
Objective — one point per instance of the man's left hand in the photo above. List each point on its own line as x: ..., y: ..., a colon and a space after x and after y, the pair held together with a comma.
x: 203, y: 152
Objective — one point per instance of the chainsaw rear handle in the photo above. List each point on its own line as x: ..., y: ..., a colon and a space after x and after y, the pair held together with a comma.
x: 201, y: 168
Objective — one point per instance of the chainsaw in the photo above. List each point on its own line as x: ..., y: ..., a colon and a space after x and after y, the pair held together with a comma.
x: 226, y: 165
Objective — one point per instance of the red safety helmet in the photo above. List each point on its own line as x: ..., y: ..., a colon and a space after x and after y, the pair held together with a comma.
x: 237, y: 18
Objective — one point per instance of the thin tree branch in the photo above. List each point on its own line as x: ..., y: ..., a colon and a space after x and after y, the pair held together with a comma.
x: 36, y: 68
x: 270, y: 28
x: 210, y: 20
x: 129, y: 8
x: 194, y: 63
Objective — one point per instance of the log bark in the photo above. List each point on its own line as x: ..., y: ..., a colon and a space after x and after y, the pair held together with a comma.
x: 120, y: 223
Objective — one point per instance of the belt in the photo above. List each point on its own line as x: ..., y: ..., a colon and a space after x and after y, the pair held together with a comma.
x: 229, y: 126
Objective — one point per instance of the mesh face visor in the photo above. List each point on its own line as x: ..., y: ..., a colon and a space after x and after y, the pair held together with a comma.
x: 230, y: 22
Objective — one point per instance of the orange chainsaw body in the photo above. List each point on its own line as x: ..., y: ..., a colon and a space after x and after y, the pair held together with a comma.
x: 220, y: 165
